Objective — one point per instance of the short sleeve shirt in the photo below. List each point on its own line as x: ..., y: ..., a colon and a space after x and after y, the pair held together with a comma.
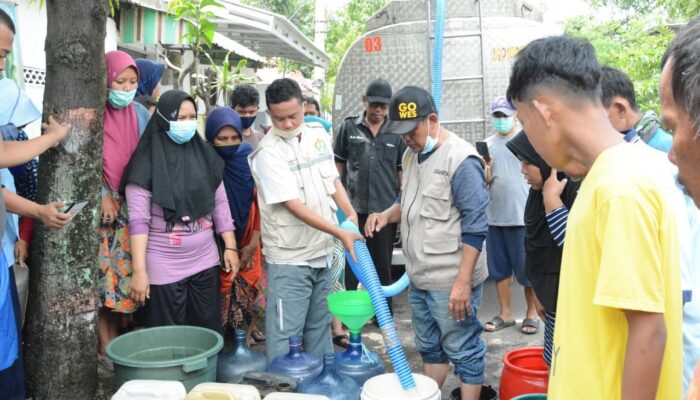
x: 621, y: 252
x: 371, y: 164
x: 253, y: 138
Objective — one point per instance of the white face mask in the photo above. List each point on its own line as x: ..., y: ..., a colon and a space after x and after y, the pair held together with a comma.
x: 291, y: 134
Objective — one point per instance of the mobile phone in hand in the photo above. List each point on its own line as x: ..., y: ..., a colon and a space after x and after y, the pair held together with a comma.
x: 75, y: 207
x: 483, y: 149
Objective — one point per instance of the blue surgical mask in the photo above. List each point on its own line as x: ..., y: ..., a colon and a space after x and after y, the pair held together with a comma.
x: 227, y: 152
x: 502, y: 125
x: 247, y: 122
x: 120, y: 98
x: 430, y: 142
x: 182, y: 131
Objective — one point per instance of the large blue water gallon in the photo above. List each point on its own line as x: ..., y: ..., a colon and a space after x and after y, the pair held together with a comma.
x: 330, y: 383
x: 238, y: 360
x: 357, y: 363
x: 296, y: 364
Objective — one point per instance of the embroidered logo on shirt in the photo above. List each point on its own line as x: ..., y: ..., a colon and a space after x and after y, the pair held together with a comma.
x: 321, y: 146
x: 441, y: 172
x: 357, y: 138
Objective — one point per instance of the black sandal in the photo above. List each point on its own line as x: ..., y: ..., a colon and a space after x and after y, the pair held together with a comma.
x: 341, y: 340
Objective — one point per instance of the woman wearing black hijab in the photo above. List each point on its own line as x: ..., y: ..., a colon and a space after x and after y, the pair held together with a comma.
x: 176, y: 198
x: 546, y: 212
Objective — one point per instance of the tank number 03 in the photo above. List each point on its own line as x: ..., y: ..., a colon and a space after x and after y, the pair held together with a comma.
x: 373, y: 44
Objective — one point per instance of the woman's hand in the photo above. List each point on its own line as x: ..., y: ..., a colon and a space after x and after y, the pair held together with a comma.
x: 108, y: 210
x: 21, y: 250
x: 231, y: 262
x: 139, y: 289
x: 247, y: 256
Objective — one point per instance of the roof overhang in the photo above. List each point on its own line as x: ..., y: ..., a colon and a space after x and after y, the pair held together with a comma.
x: 261, y: 32
x: 266, y: 33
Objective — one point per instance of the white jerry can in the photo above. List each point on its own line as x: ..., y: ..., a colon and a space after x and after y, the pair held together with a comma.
x: 143, y: 389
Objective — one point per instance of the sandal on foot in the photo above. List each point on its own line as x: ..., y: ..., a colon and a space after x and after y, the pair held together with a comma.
x: 105, y: 363
x: 341, y: 340
x: 498, y: 323
x: 530, y: 326
x: 258, y: 336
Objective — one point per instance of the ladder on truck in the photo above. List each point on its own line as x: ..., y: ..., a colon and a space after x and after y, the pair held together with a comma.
x: 478, y: 33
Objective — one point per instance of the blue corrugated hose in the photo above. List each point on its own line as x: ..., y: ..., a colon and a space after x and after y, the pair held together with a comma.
x: 389, y: 291
x: 369, y: 278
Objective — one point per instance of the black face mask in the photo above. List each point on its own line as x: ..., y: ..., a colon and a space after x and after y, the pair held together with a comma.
x: 227, y: 152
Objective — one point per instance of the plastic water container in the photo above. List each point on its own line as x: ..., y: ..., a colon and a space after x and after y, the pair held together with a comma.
x: 169, y: 353
x: 294, y: 396
x: 239, y: 360
x: 524, y: 372
x: 331, y: 384
x: 143, y: 389
x: 357, y: 363
x: 296, y: 364
x: 388, y: 386
x: 223, y: 391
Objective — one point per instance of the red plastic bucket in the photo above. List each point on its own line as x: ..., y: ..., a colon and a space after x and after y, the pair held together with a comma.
x: 524, y: 372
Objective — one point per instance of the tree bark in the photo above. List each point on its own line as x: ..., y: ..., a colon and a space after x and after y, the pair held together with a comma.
x: 61, y: 339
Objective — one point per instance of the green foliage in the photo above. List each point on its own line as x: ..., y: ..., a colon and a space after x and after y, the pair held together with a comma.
x: 225, y: 78
x: 197, y: 15
x: 677, y: 9
x: 635, y: 47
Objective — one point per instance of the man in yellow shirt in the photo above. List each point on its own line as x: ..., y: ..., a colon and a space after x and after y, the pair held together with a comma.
x: 619, y: 292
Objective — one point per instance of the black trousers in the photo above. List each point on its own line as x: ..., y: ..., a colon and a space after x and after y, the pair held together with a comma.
x: 194, y: 300
x: 380, y: 247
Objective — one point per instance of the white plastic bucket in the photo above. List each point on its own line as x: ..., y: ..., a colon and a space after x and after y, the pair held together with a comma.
x: 388, y: 387
x: 223, y: 391
x: 294, y: 396
x: 142, y: 389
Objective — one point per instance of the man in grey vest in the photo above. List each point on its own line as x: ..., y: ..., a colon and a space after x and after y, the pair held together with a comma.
x: 442, y: 211
x: 298, y: 195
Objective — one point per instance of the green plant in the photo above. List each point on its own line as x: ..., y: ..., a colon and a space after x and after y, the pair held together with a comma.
x: 634, y: 46
x: 196, y: 14
x: 225, y: 78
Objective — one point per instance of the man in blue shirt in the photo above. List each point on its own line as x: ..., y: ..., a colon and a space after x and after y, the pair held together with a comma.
x: 624, y: 114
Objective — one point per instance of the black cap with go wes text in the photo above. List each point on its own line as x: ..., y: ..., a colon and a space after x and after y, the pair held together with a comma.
x: 408, y: 107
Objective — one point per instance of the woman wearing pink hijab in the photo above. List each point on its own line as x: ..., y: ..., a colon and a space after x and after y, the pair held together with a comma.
x: 121, y: 135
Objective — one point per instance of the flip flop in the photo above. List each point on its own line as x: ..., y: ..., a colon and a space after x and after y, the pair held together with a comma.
x: 342, y: 341
x: 498, y: 323
x: 530, y: 323
x: 258, y: 336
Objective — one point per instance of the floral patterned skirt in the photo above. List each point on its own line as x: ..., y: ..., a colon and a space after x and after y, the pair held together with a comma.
x: 115, y: 264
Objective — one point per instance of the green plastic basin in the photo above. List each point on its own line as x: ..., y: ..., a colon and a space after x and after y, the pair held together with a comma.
x: 531, y: 396
x: 172, y: 353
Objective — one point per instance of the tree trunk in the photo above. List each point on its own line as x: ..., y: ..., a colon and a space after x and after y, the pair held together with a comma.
x: 61, y: 339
